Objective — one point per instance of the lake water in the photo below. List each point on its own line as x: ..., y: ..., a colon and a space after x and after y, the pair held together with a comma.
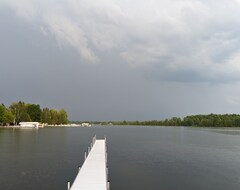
x: 139, y: 158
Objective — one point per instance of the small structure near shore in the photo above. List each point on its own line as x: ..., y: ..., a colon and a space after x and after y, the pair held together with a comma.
x: 86, y: 125
x: 29, y: 125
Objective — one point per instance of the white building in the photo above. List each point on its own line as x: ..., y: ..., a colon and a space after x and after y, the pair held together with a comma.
x: 29, y: 125
x: 86, y: 125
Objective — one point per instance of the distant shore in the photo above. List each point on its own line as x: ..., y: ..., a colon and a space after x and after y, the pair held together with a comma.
x: 10, y: 126
x: 80, y: 126
x: 60, y: 125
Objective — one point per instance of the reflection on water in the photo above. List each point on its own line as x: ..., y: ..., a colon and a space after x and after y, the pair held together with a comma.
x: 225, y: 130
x: 155, y: 158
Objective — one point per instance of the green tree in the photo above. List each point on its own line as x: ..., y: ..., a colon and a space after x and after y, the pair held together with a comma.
x: 175, y: 121
x: 54, y: 116
x: 46, y: 116
x: 188, y: 121
x: 34, y: 111
x: 62, y: 117
x: 19, y: 110
x: 6, y: 117
x: 2, y: 111
x: 204, y: 123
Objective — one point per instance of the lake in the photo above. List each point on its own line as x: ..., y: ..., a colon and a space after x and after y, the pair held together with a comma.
x: 139, y: 158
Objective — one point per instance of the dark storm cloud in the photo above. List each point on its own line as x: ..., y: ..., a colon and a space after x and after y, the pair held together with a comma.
x: 117, y: 59
x: 194, y: 35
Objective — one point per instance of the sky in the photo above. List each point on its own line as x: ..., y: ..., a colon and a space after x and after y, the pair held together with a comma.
x: 121, y: 59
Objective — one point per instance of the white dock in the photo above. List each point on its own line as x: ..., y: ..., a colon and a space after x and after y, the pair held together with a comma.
x: 93, y: 173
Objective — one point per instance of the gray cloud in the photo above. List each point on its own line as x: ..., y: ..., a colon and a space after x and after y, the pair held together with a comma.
x: 179, y: 34
x: 124, y: 54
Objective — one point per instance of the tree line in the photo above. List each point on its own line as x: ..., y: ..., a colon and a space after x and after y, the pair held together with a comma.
x: 210, y: 120
x: 23, y: 112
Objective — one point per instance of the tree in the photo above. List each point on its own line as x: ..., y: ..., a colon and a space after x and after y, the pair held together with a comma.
x: 54, y: 116
x: 175, y: 121
x: 34, y: 111
x: 2, y: 112
x: 19, y: 110
x: 25, y: 117
x: 46, y: 116
x: 6, y: 117
x: 62, y: 117
x: 188, y: 121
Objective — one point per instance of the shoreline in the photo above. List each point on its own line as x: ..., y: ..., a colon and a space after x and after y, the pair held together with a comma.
x: 136, y: 126
x: 10, y: 126
x: 61, y: 125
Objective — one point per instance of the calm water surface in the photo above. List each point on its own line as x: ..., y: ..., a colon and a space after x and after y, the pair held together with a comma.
x: 139, y: 158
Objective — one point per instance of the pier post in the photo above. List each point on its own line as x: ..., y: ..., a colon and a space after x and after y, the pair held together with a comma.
x: 85, y: 156
x: 108, y: 185
x: 68, y: 185
x: 106, y: 157
x: 105, y: 148
x: 95, y: 138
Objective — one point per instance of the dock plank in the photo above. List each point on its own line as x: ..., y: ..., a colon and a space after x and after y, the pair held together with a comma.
x: 93, y: 175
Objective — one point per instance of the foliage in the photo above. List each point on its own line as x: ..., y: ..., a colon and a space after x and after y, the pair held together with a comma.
x: 54, y: 116
x: 6, y: 116
x: 211, y: 120
x: 22, y: 112
x: 2, y: 110
x: 19, y: 109
x: 34, y: 111
x: 62, y: 117
x: 46, y: 116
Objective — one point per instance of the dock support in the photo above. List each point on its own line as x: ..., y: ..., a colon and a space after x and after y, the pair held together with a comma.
x: 68, y: 185
x: 106, y: 157
x: 88, y: 150
x: 107, y: 172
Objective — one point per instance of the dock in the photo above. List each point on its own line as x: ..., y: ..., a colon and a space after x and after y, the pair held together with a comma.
x: 93, y: 175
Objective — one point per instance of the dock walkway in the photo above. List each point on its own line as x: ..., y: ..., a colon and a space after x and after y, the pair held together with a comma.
x: 93, y: 173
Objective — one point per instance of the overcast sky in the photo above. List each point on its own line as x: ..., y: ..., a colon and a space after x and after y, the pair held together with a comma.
x: 121, y: 59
